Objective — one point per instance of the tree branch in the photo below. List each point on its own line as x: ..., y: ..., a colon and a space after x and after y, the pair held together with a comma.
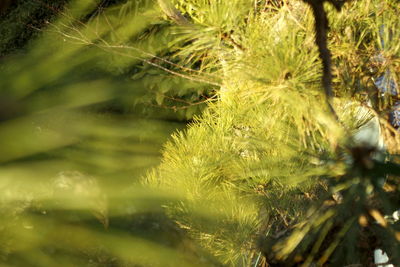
x: 321, y: 40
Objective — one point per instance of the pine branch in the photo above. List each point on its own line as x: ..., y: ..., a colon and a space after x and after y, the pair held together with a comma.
x: 321, y: 40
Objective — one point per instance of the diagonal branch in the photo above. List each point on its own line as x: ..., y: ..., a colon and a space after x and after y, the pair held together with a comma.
x: 321, y: 40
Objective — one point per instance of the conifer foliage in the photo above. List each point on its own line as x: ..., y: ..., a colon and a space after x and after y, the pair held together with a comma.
x: 274, y: 142
x: 281, y: 166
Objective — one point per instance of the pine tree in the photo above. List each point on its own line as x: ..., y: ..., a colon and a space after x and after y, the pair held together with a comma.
x: 266, y: 175
x: 271, y: 151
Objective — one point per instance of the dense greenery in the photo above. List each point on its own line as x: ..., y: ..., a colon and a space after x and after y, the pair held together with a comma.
x: 174, y: 96
x: 263, y: 174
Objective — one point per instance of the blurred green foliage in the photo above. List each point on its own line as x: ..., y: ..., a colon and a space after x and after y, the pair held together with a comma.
x: 265, y: 175
x: 150, y: 38
x: 68, y: 158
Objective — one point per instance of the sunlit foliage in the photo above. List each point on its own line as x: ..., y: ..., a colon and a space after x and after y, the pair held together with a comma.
x: 263, y: 175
